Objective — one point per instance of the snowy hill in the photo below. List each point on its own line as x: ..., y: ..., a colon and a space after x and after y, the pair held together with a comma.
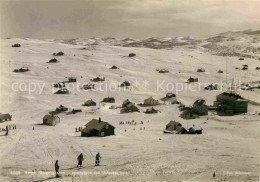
x: 142, y: 151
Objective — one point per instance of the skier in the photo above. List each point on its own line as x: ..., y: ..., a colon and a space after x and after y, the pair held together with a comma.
x: 98, y: 157
x: 57, y: 167
x: 80, y: 160
x: 6, y: 131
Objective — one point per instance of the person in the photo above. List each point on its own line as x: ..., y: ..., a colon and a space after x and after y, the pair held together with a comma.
x: 98, y: 157
x: 57, y: 167
x: 6, y: 131
x: 80, y: 160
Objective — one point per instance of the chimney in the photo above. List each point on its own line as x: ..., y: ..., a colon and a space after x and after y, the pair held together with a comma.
x: 99, y: 120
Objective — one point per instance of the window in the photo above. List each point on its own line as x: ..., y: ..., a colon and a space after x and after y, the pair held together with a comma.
x: 107, y: 126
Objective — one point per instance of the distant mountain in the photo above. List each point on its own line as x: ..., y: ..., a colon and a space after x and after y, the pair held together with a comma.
x: 233, y: 43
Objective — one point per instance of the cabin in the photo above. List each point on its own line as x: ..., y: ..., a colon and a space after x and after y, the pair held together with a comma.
x: 109, y: 100
x: 16, y: 45
x: 211, y: 87
x: 131, y: 55
x: 72, y: 79
x: 174, y: 127
x: 88, y: 86
x: 188, y: 114
x: 59, y: 109
x: 125, y: 84
x: 170, y: 97
x: 90, y: 103
x: 58, y: 54
x: 23, y: 69
x: 199, y: 107
x: 195, y: 130
x: 74, y: 111
x: 62, y: 91
x: 114, y: 67
x: 200, y: 70
x: 5, y: 117
x: 220, y: 71
x: 241, y: 59
x: 51, y: 120
x: 151, y: 111
x: 229, y: 103
x: 62, y: 108
x: 128, y: 106
x: 53, y: 60
x: 245, y: 68
x: 98, y: 128
x: 162, y: 70
x: 59, y: 85
x: 190, y: 80
x: 150, y: 102
x: 98, y: 79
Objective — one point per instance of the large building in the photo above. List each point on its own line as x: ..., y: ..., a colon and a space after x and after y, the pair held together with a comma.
x: 98, y: 128
x: 230, y: 104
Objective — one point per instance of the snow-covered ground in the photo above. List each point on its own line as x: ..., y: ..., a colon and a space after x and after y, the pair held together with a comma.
x: 229, y: 146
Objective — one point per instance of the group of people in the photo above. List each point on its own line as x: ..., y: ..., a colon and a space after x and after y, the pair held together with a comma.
x: 131, y: 122
x: 7, y: 128
x: 80, y: 161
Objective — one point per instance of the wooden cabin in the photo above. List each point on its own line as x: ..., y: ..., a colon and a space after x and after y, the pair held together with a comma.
x: 98, y: 128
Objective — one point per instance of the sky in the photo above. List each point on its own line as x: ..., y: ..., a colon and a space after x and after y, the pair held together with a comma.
x: 139, y: 19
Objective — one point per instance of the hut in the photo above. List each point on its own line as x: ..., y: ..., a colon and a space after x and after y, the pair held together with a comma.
x: 51, y: 120
x: 191, y: 79
x: 58, y: 54
x: 62, y: 91
x: 90, y: 103
x: 229, y: 103
x: 74, y: 111
x: 151, y: 111
x: 61, y: 108
x: 211, y: 87
x: 174, y: 127
x: 245, y: 68
x: 5, y: 117
x: 200, y: 70
x: 16, y: 45
x: 98, y: 79
x: 128, y: 106
x: 170, y: 97
x: 114, y: 67
x: 162, y: 70
x: 257, y: 68
x: 59, y: 85
x: 200, y: 108
x: 220, y: 71
x: 53, y: 60
x: 125, y: 84
x: 98, y: 128
x: 109, y: 100
x: 125, y: 103
x: 88, y: 86
x: 72, y: 79
x: 131, y: 55
x: 195, y: 130
x: 150, y: 102
x: 241, y: 59
x: 23, y: 69
x: 188, y: 114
